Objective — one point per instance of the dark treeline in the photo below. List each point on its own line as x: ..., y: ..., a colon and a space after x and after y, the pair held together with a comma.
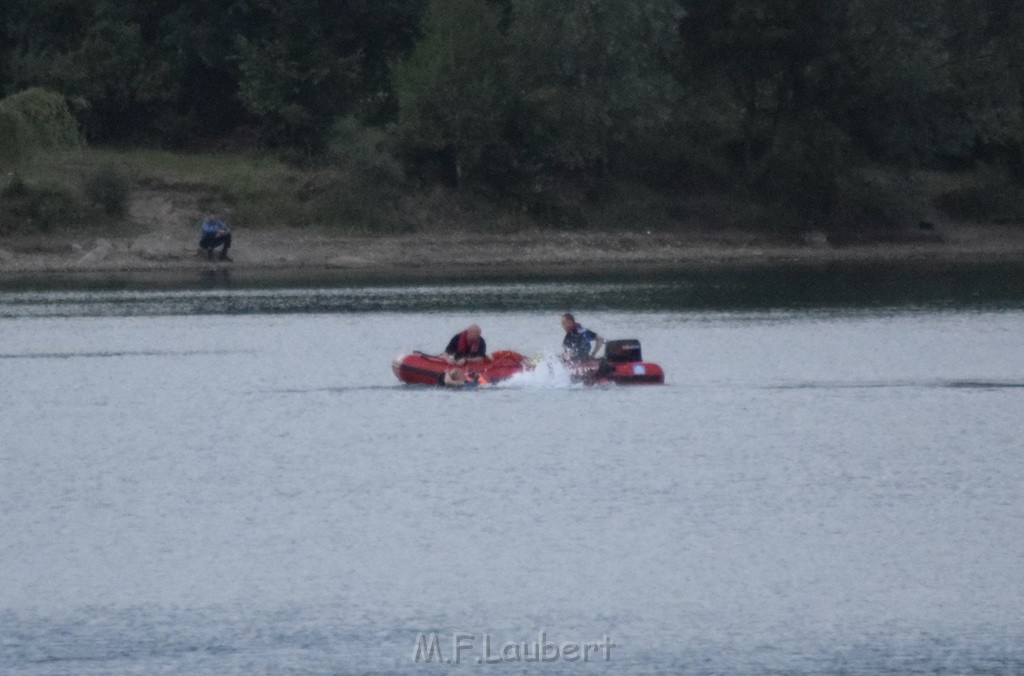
x: 172, y: 72
x: 786, y: 98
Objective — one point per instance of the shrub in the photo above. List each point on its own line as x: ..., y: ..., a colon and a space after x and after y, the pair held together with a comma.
x: 874, y: 202
x: 357, y: 203
x: 47, y: 121
x: 107, y: 187
x: 995, y: 198
x: 14, y: 138
x: 358, y: 147
x: 30, y: 209
x: 32, y: 120
x: 15, y: 187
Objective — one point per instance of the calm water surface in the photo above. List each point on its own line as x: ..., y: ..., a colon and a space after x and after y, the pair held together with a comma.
x: 233, y: 481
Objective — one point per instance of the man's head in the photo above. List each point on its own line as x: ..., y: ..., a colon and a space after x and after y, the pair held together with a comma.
x: 568, y: 321
x: 473, y: 331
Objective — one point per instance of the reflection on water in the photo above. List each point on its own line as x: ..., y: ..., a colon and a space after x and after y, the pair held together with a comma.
x: 304, y: 300
x: 795, y: 287
x: 110, y: 355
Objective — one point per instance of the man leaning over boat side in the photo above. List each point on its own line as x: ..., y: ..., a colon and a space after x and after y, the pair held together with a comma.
x: 467, y: 346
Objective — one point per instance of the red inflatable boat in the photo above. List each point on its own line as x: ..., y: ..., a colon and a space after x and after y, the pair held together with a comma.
x: 622, y: 365
x: 427, y: 369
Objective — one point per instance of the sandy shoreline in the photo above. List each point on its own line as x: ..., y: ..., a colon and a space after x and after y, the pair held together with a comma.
x: 294, y: 256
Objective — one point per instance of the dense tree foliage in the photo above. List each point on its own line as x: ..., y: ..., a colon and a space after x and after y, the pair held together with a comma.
x: 591, y: 76
x: 784, y: 97
x: 451, y: 88
x: 178, y: 73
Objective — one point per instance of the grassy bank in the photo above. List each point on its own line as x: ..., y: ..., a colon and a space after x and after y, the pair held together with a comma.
x: 117, y: 190
x: 260, y: 191
x: 56, y: 193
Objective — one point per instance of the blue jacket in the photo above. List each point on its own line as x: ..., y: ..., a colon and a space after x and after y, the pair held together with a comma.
x: 578, y: 342
x: 211, y: 226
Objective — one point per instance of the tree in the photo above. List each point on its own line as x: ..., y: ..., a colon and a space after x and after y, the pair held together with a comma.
x: 191, y: 91
x: 35, y: 119
x: 98, y: 54
x: 33, y: 33
x: 304, y: 63
x: 179, y: 72
x: 987, y: 68
x: 109, y: 70
x: 902, y: 103
x: 592, y: 76
x: 451, y: 91
x: 779, y: 64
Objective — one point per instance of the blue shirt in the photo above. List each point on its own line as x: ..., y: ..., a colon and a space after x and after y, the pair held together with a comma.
x: 211, y: 226
x: 578, y: 342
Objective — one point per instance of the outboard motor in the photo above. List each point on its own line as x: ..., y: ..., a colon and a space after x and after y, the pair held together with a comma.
x: 620, y: 351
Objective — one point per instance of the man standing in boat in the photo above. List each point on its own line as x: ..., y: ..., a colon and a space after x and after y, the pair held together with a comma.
x: 468, y: 346
x: 579, y: 344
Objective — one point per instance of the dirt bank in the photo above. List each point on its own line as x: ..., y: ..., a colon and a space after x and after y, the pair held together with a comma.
x: 162, y: 235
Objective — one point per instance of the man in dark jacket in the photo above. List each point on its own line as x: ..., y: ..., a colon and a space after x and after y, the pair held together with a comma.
x: 579, y: 344
x: 467, y: 346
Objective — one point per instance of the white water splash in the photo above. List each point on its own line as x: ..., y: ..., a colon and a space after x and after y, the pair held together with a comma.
x: 548, y: 373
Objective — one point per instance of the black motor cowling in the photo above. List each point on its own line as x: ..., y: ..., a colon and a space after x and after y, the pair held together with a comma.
x: 622, y: 350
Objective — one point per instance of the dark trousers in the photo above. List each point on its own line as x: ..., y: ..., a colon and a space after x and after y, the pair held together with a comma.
x: 211, y: 242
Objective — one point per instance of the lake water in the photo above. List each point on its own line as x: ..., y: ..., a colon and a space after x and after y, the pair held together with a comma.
x: 231, y: 480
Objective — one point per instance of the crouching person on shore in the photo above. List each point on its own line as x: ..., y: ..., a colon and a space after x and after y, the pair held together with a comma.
x: 214, y: 233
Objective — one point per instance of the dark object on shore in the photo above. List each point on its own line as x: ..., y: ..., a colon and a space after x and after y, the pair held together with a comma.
x: 876, y: 236
x: 926, y: 225
x: 108, y: 187
x: 214, y: 233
